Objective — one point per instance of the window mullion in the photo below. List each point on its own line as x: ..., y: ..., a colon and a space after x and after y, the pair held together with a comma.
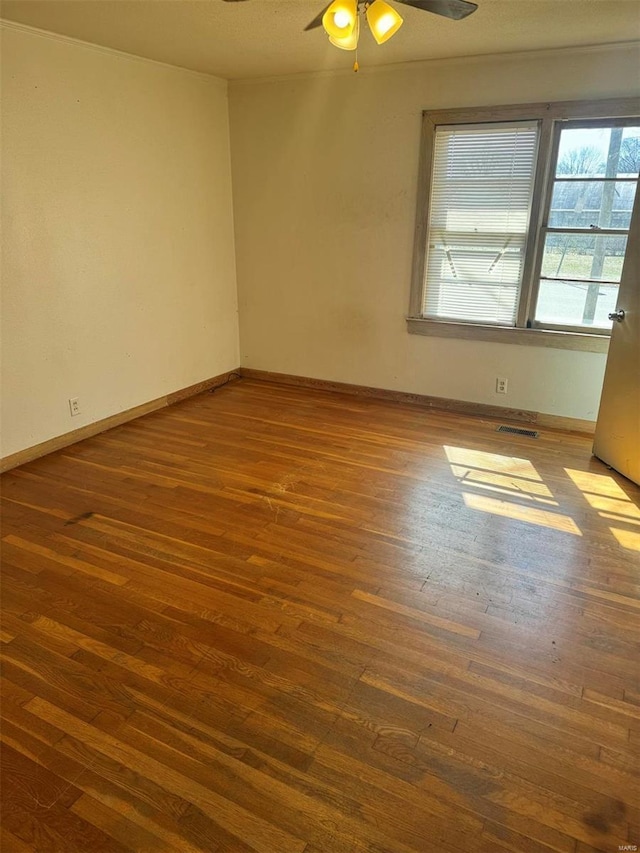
x: 603, y: 281
x: 544, y: 198
x: 605, y: 232
x: 592, y: 179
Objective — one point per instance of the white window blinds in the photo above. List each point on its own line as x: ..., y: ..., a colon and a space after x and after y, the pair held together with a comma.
x: 482, y: 184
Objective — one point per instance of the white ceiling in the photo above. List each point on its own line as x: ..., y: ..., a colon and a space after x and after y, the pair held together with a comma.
x: 263, y: 38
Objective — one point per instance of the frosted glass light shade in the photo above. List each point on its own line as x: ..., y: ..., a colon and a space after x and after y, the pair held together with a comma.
x: 383, y: 20
x: 348, y: 42
x: 339, y: 21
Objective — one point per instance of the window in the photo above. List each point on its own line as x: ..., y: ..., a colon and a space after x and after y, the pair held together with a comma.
x: 523, y: 219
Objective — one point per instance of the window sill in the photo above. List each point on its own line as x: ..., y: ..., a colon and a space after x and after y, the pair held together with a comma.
x: 508, y: 335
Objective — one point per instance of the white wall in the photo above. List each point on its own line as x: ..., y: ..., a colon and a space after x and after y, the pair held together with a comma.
x: 119, y: 266
x: 325, y: 172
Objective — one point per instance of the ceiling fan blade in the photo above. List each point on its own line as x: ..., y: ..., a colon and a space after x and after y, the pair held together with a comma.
x: 454, y: 9
x: 317, y: 21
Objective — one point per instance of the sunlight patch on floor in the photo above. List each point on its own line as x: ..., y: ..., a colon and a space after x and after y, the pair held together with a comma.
x: 596, y: 484
x: 613, y: 505
x: 505, y: 484
x: 516, y: 480
x: 629, y: 539
x: 528, y: 514
x: 603, y: 494
x: 611, y: 516
x: 494, y: 462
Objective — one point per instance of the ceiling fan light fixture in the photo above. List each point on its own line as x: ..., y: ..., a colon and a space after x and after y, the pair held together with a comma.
x: 349, y: 42
x: 383, y: 20
x: 340, y: 19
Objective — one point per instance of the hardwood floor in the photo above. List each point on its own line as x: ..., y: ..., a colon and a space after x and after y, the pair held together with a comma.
x: 280, y: 620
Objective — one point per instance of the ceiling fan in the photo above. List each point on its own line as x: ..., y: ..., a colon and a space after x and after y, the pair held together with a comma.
x: 341, y: 18
x: 342, y: 15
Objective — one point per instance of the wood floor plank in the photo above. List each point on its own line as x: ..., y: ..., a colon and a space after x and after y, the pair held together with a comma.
x: 279, y: 619
x: 112, y: 784
x: 260, y: 833
x: 36, y: 808
x: 130, y: 834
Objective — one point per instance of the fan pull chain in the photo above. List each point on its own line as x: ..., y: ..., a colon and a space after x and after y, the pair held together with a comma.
x: 356, y: 67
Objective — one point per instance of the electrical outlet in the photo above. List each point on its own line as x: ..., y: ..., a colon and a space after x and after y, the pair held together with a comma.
x: 74, y: 406
x: 501, y: 385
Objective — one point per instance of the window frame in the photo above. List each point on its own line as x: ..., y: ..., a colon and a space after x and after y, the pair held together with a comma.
x: 550, y: 117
